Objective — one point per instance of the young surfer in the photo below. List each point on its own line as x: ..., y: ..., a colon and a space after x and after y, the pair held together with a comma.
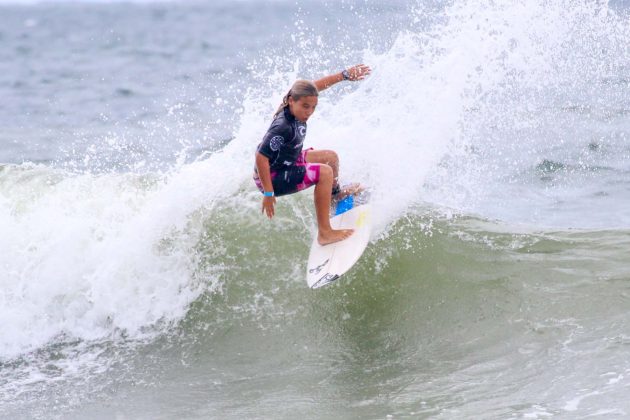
x: 282, y: 167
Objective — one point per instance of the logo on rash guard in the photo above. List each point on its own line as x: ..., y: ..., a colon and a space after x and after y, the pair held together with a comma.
x: 302, y: 130
x: 276, y: 143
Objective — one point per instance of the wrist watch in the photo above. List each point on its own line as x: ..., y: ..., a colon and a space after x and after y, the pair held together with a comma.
x: 345, y: 74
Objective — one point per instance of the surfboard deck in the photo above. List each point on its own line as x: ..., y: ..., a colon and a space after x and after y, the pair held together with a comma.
x: 326, y: 263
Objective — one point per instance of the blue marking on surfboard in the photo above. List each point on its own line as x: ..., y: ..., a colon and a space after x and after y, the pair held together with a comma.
x: 344, y: 205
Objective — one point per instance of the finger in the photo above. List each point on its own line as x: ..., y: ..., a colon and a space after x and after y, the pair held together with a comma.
x: 360, y: 72
x: 365, y: 70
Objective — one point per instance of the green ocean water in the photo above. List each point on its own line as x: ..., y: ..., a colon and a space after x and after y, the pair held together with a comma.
x: 466, y: 317
x: 139, y: 280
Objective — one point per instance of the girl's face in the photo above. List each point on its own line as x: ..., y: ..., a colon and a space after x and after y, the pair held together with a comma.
x: 303, y: 108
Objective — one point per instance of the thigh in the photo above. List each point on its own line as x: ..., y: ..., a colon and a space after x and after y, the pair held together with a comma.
x: 327, y: 157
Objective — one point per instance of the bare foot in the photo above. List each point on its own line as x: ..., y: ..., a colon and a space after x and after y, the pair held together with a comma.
x: 332, y: 236
x: 347, y: 190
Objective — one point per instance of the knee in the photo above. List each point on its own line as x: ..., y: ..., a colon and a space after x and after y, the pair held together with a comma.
x: 329, y: 157
x: 325, y: 173
x: 333, y: 158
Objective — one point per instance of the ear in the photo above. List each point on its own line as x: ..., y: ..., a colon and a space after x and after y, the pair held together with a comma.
x: 291, y: 101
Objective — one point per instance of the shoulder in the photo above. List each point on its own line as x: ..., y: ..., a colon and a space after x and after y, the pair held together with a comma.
x: 281, y: 126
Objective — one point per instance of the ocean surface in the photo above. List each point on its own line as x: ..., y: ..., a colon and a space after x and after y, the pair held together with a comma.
x: 139, y: 279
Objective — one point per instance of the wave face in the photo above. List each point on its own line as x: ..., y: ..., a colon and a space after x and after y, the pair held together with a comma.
x: 135, y: 265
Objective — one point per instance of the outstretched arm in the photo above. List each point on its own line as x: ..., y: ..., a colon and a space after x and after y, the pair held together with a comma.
x: 354, y: 73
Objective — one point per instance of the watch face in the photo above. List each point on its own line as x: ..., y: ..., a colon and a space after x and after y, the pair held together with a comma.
x: 345, y: 74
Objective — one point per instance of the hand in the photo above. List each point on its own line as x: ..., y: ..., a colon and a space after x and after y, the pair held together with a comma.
x: 359, y: 72
x: 268, y: 206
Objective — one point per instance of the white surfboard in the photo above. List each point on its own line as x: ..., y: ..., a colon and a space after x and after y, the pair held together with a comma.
x: 328, y: 262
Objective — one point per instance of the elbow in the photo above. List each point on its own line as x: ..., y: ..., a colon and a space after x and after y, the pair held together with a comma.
x: 261, y: 160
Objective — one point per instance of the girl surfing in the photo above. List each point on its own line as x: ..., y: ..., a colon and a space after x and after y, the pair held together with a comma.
x: 282, y: 167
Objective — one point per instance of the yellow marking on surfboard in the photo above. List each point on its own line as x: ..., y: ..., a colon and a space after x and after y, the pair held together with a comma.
x: 362, y: 219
